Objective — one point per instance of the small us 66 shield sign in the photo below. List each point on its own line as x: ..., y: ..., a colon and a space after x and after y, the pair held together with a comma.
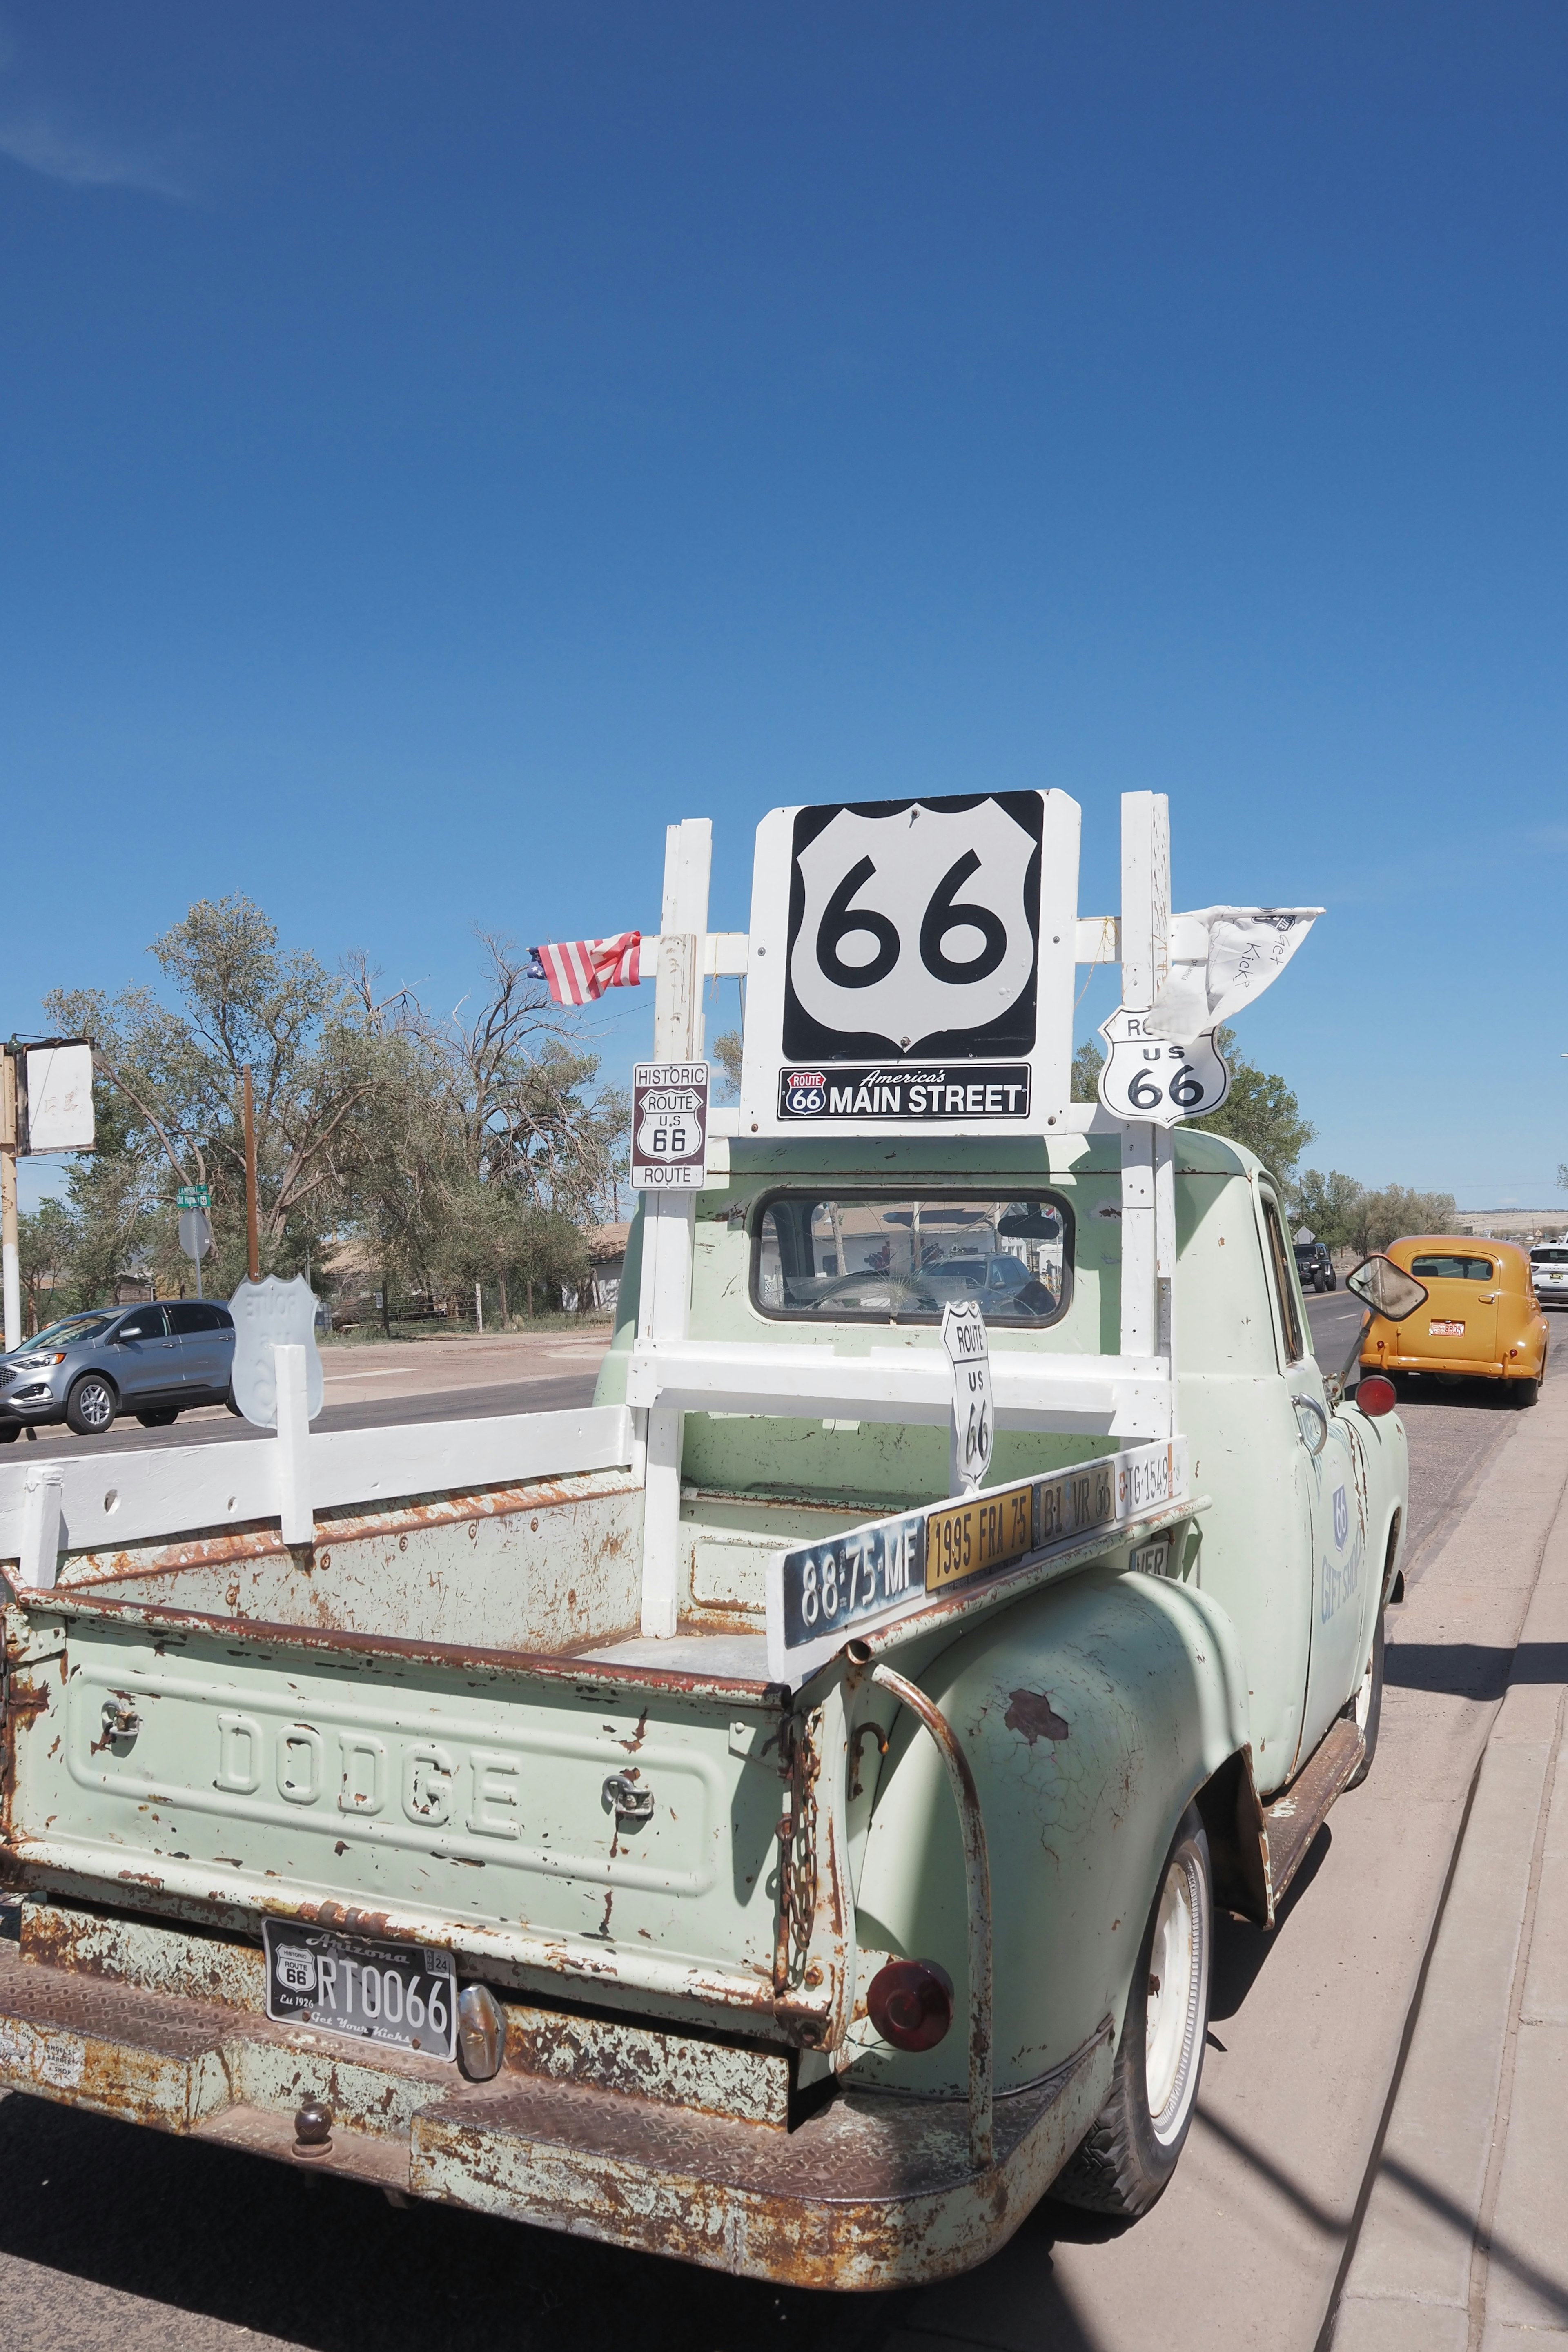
x: 670, y: 1126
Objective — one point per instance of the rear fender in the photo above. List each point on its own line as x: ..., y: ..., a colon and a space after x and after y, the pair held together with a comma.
x: 1092, y: 1713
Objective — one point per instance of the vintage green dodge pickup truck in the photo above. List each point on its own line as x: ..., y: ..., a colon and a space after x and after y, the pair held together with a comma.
x: 706, y: 1821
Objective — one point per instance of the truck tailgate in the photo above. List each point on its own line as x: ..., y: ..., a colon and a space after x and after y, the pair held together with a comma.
x: 388, y: 1787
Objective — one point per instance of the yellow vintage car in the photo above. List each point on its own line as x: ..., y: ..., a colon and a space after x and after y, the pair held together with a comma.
x: 1480, y: 1320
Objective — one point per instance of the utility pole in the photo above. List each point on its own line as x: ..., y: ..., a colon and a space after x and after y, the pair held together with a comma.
x: 252, y: 1226
x: 12, y: 1262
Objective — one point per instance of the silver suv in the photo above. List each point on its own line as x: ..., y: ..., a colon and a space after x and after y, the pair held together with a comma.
x: 152, y: 1361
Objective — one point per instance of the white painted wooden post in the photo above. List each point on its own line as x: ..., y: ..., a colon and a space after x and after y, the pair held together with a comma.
x: 669, y: 1218
x: 39, y: 1561
x: 1148, y: 1192
x: 298, y: 1527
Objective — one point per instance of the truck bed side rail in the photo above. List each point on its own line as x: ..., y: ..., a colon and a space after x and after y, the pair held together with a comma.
x: 82, y: 1502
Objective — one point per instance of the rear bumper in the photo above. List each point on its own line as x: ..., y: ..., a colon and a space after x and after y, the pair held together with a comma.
x: 871, y: 2192
x: 1464, y: 1367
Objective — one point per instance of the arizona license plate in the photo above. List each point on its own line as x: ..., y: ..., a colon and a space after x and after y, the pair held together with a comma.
x: 406, y: 1994
x: 1445, y: 1330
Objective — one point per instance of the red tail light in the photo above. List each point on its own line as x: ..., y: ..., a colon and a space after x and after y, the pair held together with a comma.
x: 1377, y: 1396
x: 910, y: 2002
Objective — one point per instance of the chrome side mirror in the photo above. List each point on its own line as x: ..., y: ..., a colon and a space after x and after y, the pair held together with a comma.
x: 1386, y: 1288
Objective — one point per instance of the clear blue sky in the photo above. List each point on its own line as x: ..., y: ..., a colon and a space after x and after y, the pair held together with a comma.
x: 440, y: 445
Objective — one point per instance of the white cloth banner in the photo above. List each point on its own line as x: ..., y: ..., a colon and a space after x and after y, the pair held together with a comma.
x: 59, y: 1099
x: 1248, y: 948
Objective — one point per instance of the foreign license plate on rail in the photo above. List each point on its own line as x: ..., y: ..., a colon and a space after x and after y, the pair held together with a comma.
x: 820, y: 1594
x: 401, y: 1994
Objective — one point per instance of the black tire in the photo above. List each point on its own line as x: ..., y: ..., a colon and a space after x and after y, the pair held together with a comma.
x: 233, y: 1407
x: 1334, y: 1282
x: 1366, y: 1707
x: 163, y: 1417
x: 1522, y: 1393
x: 1125, y: 2163
x: 10, y: 1431
x: 92, y: 1405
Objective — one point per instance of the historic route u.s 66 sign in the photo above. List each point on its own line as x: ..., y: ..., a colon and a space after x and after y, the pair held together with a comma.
x: 911, y: 965
x: 1147, y: 1077
x: 670, y: 1126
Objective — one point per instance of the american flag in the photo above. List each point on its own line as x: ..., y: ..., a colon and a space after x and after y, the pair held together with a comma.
x: 579, y: 969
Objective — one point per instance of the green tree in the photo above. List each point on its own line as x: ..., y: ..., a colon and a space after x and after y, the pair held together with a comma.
x: 1331, y: 1206
x: 48, y: 1238
x: 1383, y: 1217
x: 1260, y: 1111
x: 178, y: 1073
x: 1086, y: 1065
x: 727, y: 1052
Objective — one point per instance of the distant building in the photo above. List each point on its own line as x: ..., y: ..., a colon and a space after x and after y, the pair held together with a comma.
x: 608, y: 1257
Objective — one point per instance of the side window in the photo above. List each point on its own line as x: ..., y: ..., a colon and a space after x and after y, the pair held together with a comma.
x: 144, y: 1323
x: 194, y: 1314
x: 1282, y: 1260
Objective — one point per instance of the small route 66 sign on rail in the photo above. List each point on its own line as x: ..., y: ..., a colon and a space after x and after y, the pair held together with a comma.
x: 1150, y: 1078
x: 911, y: 965
x: 670, y: 1127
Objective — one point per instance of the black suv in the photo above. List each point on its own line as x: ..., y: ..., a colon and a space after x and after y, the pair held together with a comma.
x: 1315, y: 1266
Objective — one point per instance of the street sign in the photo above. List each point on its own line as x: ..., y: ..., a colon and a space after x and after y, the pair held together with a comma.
x: 1147, y: 1077
x: 974, y: 1420
x: 911, y: 966
x: 193, y: 1196
x: 670, y: 1126
x: 195, y: 1234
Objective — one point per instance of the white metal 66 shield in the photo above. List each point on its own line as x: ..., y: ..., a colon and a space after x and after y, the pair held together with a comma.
x: 1147, y: 1077
x: 268, y: 1314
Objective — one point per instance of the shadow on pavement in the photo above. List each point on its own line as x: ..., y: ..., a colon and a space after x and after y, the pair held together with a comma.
x: 1473, y: 1669
x: 1241, y: 1950
x: 330, y: 2265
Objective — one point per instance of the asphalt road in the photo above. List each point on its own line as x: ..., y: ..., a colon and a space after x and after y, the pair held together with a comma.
x: 123, y: 2240
x: 531, y: 1392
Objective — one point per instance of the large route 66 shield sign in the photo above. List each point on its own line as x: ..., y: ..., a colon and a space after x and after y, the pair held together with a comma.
x: 911, y: 965
x: 1147, y: 1077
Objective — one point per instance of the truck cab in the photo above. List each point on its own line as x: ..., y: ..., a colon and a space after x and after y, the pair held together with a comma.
x: 714, y: 1820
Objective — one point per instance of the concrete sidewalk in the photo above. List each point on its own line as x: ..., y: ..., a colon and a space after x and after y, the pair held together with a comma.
x: 1463, y: 2245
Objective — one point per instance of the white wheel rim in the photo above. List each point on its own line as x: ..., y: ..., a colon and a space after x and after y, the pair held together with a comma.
x: 1363, y: 1701
x: 1178, y: 1971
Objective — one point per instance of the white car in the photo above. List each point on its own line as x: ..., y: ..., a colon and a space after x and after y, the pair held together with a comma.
x: 1549, y: 1273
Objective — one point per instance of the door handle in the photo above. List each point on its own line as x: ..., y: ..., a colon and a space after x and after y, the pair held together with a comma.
x: 1311, y: 1423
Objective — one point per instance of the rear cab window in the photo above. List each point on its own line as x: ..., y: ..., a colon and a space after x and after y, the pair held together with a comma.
x: 1448, y: 1266
x: 861, y: 1256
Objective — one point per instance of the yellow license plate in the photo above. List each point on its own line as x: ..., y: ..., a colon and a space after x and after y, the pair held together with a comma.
x: 970, y: 1539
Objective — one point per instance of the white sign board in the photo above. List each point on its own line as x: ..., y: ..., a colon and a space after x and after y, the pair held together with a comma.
x: 59, y: 1099
x: 973, y: 1419
x: 1147, y: 1077
x: 912, y: 966
x: 670, y: 1126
